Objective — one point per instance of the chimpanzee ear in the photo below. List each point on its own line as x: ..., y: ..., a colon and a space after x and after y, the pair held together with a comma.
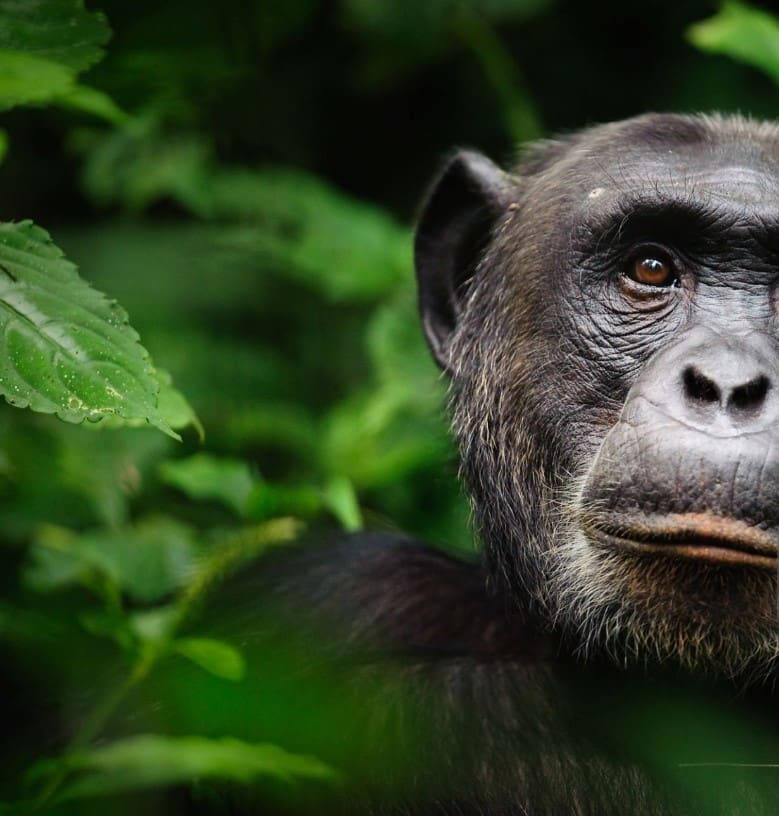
x: 453, y: 230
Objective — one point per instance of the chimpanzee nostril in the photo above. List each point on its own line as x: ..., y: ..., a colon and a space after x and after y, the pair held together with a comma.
x: 698, y: 387
x: 750, y: 396
x: 713, y: 382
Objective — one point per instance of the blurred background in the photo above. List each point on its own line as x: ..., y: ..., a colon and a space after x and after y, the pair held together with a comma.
x: 243, y: 176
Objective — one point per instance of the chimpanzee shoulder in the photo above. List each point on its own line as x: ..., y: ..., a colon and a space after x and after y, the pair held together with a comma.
x: 392, y: 593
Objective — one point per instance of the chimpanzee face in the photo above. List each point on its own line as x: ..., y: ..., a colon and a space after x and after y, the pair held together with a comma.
x: 608, y: 313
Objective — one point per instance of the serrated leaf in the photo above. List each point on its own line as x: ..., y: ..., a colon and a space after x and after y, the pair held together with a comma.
x: 149, y: 761
x: 204, y: 476
x: 742, y: 32
x: 215, y: 656
x: 65, y: 348
x: 172, y: 407
x: 61, y: 31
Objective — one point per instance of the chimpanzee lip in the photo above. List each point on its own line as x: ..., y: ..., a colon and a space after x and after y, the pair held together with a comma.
x: 695, y: 536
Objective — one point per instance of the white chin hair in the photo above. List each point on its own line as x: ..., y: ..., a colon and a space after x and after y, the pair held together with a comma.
x: 643, y: 610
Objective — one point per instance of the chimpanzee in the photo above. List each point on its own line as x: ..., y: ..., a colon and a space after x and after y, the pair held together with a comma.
x: 607, y: 314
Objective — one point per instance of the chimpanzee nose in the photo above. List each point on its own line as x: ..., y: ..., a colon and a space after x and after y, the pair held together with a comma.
x: 705, y: 390
x: 726, y: 381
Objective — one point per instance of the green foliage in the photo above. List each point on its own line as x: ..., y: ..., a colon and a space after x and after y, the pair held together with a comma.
x: 203, y: 476
x: 60, y: 31
x: 67, y: 349
x: 148, y: 761
x: 743, y: 32
x: 146, y: 562
x: 286, y: 219
x: 214, y: 656
x: 44, y: 45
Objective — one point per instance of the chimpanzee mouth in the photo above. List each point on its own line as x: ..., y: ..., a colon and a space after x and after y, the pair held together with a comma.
x: 690, y: 536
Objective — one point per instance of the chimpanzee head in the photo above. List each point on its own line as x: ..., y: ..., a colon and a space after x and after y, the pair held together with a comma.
x: 607, y: 312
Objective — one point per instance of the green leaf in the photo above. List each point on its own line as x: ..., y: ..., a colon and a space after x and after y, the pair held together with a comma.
x: 90, y: 100
x: 29, y: 80
x: 215, y: 656
x: 112, y: 624
x: 154, y: 625
x: 61, y: 31
x: 399, y: 354
x: 26, y: 79
x: 204, y: 476
x: 172, y: 407
x: 267, y: 501
x: 65, y: 348
x: 147, y: 561
x: 341, y: 500
x: 44, y: 45
x: 345, y: 249
x: 742, y: 32
x: 107, y: 470
x: 149, y: 761
x: 137, y: 165
x: 295, y: 224
x: 381, y: 437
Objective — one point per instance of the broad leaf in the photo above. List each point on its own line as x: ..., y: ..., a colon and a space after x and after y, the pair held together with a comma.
x: 60, y: 31
x: 44, y: 45
x: 25, y: 79
x: 203, y: 476
x: 215, y: 656
x: 172, y: 407
x: 742, y: 32
x: 147, y: 561
x: 65, y: 348
x: 149, y: 761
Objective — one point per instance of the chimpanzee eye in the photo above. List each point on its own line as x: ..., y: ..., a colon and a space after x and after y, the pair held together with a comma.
x: 652, y: 271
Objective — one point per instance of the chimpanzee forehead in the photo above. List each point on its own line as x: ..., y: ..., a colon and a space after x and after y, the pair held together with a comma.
x: 717, y: 166
x: 714, y: 152
x: 718, y: 182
